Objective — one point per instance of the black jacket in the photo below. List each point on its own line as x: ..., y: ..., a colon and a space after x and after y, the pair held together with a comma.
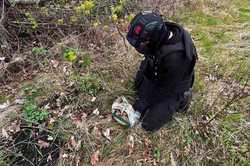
x: 168, y: 70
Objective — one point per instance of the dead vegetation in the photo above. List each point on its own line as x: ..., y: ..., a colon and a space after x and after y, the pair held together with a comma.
x: 64, y: 67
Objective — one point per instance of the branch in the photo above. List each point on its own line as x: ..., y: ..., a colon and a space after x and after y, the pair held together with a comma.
x: 28, y: 2
x: 234, y: 99
x: 2, y: 15
x: 123, y: 38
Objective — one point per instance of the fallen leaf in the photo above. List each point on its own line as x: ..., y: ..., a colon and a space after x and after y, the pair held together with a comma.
x: 4, y: 133
x: 84, y: 116
x: 131, y: 143
x: 49, y: 158
x: 96, y: 111
x: 106, y: 133
x: 77, y: 159
x: 19, y: 101
x: 54, y: 63
x: 14, y: 127
x: 95, y: 157
x: 174, y: 159
x: 73, y: 142
x: 97, y: 132
x: 65, y: 155
x: 93, y: 99
x: 51, y: 120
x: 42, y: 144
x: 50, y: 138
x: 2, y: 58
x: 147, y: 141
x: 4, y: 105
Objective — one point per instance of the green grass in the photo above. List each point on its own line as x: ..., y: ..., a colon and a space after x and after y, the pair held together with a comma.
x: 3, y: 99
x: 89, y: 84
x: 200, y: 18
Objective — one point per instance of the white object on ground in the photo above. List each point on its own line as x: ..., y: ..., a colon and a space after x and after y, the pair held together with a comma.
x: 4, y: 105
x: 123, y: 106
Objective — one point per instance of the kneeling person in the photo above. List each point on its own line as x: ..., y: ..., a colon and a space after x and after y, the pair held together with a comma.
x: 165, y: 77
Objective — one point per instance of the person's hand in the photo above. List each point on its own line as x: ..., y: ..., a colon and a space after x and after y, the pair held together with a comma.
x: 121, y: 107
x: 134, y: 117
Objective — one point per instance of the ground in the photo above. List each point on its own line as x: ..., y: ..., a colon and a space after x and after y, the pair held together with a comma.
x: 61, y: 107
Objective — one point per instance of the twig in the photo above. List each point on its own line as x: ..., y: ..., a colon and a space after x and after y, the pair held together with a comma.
x: 20, y: 155
x: 2, y: 15
x: 123, y: 38
x: 233, y: 100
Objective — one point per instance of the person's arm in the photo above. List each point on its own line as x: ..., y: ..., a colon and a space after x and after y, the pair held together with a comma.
x: 139, y: 75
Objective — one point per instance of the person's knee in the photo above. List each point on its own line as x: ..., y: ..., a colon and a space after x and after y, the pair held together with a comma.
x: 154, y: 123
x: 151, y: 127
x: 156, y: 118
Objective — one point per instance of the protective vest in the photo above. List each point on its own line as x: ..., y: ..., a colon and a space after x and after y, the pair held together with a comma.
x: 186, y: 46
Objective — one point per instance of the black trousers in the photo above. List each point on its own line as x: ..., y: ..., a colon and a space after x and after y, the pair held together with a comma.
x: 155, y: 112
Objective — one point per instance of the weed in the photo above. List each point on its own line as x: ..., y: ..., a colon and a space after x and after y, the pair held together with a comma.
x: 157, y: 154
x: 69, y: 54
x: 39, y: 50
x: 3, y: 98
x: 34, y: 114
x: 89, y: 84
x: 86, y: 61
x: 32, y: 20
x: 31, y: 112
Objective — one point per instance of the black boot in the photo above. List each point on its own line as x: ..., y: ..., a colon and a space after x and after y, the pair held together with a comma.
x: 186, y: 101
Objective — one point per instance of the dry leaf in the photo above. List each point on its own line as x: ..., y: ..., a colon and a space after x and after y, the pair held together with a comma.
x: 49, y: 158
x: 84, y: 116
x: 73, y: 142
x: 14, y: 127
x: 96, y: 111
x: 97, y: 132
x: 51, y: 120
x: 42, y: 144
x: 65, y: 155
x: 4, y: 105
x: 93, y: 99
x: 54, y: 63
x: 95, y: 157
x: 131, y: 143
x: 106, y: 133
x: 174, y: 159
x: 2, y: 58
x: 147, y: 141
x: 77, y: 159
x: 50, y: 138
x: 4, y: 133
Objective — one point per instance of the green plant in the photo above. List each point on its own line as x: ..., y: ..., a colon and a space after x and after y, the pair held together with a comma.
x: 39, y: 50
x: 31, y: 112
x: 34, y: 114
x: 89, y: 84
x: 86, y: 62
x: 32, y: 20
x: 70, y: 54
x: 157, y: 154
x: 30, y: 92
x: 3, y: 98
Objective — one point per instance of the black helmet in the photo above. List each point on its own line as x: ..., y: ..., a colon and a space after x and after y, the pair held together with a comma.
x: 146, y: 30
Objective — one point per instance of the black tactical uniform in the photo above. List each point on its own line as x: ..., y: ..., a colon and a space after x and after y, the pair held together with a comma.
x: 166, y: 74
